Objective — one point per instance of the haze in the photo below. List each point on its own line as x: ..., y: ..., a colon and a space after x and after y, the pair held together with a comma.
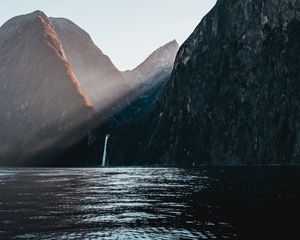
x: 127, y: 31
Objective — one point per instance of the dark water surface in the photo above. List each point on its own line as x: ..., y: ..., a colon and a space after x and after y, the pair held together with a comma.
x: 150, y: 203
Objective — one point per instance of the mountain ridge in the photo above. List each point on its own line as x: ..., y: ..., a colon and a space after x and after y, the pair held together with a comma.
x: 52, y: 79
x: 41, y: 98
x: 99, y: 77
x: 160, y: 60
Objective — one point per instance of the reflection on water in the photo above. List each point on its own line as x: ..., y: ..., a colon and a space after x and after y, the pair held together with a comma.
x: 134, y: 203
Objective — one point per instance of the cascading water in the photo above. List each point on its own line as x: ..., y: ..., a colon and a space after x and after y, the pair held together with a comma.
x: 104, y: 163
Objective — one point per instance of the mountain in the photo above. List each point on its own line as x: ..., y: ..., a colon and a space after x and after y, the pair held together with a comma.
x: 55, y: 86
x: 148, y: 80
x: 41, y: 99
x: 100, y: 80
x: 157, y: 66
x: 233, y: 98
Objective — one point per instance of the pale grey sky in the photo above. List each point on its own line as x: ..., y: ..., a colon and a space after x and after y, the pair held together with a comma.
x: 126, y: 30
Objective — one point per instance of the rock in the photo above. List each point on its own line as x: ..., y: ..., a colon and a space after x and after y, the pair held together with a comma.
x: 233, y: 98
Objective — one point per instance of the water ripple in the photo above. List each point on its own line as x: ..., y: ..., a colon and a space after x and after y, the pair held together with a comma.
x: 133, y: 203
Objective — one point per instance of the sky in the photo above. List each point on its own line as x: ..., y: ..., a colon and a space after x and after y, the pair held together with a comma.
x: 126, y: 30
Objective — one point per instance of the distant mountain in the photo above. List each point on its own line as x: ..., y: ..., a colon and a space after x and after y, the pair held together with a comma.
x: 147, y: 81
x: 157, y: 66
x: 233, y: 98
x: 41, y: 100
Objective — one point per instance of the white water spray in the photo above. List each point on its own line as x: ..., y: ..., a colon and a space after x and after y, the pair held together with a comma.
x: 104, y: 163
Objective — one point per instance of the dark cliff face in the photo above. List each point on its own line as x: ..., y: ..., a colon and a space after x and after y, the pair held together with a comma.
x: 233, y: 97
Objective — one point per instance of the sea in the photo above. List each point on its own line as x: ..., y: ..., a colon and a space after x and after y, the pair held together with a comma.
x: 150, y: 203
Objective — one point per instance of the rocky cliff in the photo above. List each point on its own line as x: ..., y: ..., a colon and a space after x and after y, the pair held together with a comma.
x: 233, y: 97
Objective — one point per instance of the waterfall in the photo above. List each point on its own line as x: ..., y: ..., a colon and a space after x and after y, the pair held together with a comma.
x: 104, y: 163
